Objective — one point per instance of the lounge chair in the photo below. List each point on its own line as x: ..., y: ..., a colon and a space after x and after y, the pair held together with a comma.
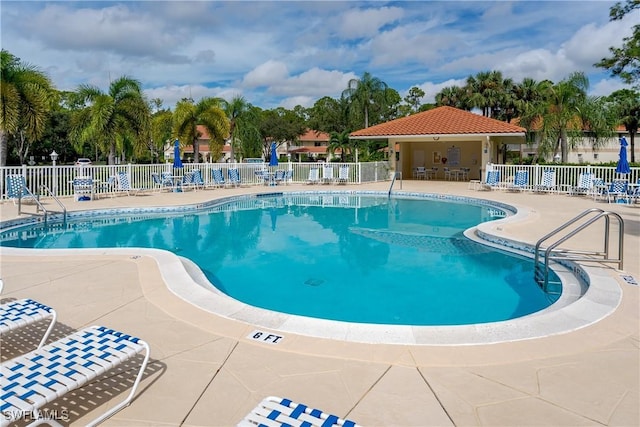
x: 548, y: 183
x: 288, y: 176
x: 584, y: 185
x: 520, y: 181
x: 279, y: 177
x: 82, y: 188
x: 327, y: 174
x: 491, y: 181
x: 343, y: 174
x: 276, y: 411
x: 617, y: 190
x: 107, y: 187
x: 124, y: 184
x: 24, y: 312
x: 17, y: 190
x: 187, y: 181
x: 218, y: 178
x: 35, y: 379
x: 162, y: 182
x: 234, y: 177
x: 314, y: 176
x: 198, y: 182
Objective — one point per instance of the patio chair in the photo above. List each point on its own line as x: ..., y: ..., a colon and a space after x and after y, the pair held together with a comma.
x: 598, y: 188
x: 617, y: 190
x: 491, y: 181
x: 634, y: 192
x: 314, y: 176
x: 548, y: 184
x: 288, y: 176
x: 343, y: 174
x: 187, y: 181
x: 276, y: 411
x: 162, y: 182
x: 327, y: 174
x: 218, y: 178
x: 124, y: 185
x: 198, y: 182
x: 279, y: 177
x: 234, y: 177
x: 584, y: 185
x: 520, y: 181
x: 82, y: 188
x: 107, y: 187
x: 24, y: 312
x: 420, y: 172
x: 31, y: 381
x: 17, y: 190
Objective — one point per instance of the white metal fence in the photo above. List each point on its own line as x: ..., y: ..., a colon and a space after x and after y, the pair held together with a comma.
x: 59, y: 179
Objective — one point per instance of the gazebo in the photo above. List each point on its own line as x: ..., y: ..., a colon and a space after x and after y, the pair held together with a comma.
x: 444, y: 137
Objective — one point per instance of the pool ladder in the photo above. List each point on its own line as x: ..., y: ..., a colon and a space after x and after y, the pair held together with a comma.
x: 581, y: 222
x: 39, y: 206
x: 393, y: 181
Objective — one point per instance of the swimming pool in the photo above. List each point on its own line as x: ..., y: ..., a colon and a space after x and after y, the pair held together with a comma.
x: 354, y: 258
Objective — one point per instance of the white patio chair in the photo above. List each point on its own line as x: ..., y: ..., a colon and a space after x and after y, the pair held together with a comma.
x: 314, y: 176
x: 31, y: 381
x: 276, y: 411
x: 343, y: 174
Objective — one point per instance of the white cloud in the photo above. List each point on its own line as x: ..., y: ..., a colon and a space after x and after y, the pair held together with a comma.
x: 266, y: 74
x: 606, y: 87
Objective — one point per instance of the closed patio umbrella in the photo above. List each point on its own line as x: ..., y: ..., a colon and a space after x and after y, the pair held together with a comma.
x: 273, y: 159
x: 177, y: 162
x: 623, y: 164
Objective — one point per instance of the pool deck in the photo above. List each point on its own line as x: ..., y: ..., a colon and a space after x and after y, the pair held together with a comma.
x: 205, y: 371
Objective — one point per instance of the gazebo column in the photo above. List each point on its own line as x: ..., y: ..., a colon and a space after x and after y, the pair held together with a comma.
x: 392, y: 156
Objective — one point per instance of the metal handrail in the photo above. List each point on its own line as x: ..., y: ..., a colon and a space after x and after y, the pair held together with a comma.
x: 393, y: 181
x: 62, y: 206
x: 39, y: 207
x: 570, y: 254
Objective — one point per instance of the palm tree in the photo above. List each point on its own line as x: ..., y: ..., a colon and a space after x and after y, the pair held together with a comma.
x: 365, y: 94
x: 453, y: 96
x: 115, y: 121
x: 242, y: 122
x: 566, y: 113
x: 485, y: 91
x: 207, y: 113
x: 339, y: 141
x: 24, y: 101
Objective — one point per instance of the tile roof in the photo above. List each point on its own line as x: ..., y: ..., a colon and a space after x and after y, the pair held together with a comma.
x: 440, y: 121
x: 314, y: 136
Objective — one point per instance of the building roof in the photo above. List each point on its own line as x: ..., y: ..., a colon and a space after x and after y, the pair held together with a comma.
x: 440, y: 121
x: 314, y: 136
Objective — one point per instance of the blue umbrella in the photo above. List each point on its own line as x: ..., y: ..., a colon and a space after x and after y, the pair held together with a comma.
x: 273, y: 159
x: 623, y: 164
x: 177, y: 163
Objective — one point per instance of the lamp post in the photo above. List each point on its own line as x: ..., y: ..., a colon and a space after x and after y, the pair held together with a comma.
x: 54, y: 157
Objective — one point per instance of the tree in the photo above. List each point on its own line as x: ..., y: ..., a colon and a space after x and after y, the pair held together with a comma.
x: 24, y: 102
x: 365, y: 95
x: 116, y: 120
x: 207, y: 113
x: 339, y: 141
x: 328, y: 115
x: 279, y: 125
x: 564, y: 114
x: 242, y: 123
x: 486, y: 91
x: 161, y: 128
x: 624, y: 61
x: 453, y: 96
x: 414, y: 99
x: 626, y: 104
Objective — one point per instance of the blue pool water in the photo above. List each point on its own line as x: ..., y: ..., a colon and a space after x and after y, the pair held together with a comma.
x: 345, y: 257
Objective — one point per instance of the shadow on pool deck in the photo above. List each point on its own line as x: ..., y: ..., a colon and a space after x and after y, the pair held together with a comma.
x: 206, y: 372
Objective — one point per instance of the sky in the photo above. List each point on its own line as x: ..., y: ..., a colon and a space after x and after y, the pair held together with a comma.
x: 288, y: 53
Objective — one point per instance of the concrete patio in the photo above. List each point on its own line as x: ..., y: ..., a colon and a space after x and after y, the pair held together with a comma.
x: 205, y: 370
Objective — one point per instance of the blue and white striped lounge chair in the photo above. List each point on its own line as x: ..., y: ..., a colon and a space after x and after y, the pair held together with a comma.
x: 198, y: 182
x: 492, y: 180
x: 217, y: 177
x: 343, y: 174
x: 276, y: 411
x: 124, y: 184
x: 548, y: 183
x: 187, y: 181
x: 35, y: 379
x: 17, y: 190
x: 24, y: 312
x: 584, y: 186
x: 162, y: 182
x: 234, y: 177
x: 314, y: 176
x: 288, y: 176
x: 280, y: 175
x: 520, y: 181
